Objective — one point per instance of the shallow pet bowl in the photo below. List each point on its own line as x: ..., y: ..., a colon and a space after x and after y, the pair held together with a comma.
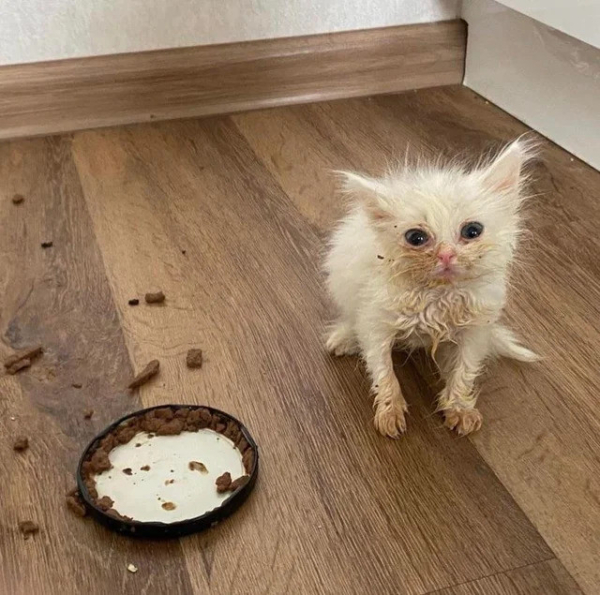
x: 162, y: 479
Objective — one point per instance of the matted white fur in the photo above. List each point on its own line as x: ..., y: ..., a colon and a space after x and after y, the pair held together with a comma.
x: 445, y: 295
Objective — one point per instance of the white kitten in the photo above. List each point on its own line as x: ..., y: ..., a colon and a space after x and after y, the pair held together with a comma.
x: 423, y: 260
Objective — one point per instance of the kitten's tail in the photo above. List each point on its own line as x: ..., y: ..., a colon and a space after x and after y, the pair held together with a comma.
x: 506, y: 344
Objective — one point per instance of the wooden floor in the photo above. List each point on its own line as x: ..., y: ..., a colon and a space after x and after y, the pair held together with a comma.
x: 228, y: 217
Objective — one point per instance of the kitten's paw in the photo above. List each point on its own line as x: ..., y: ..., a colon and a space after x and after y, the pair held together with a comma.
x: 342, y: 341
x: 463, y: 421
x: 390, y: 419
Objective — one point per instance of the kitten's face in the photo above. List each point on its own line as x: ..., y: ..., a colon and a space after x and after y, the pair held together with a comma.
x: 447, y: 225
x: 444, y: 227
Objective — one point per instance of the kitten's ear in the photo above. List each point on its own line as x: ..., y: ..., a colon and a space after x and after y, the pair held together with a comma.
x: 368, y: 192
x: 505, y: 174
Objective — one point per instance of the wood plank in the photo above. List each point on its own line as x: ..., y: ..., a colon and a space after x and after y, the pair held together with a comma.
x: 549, y: 578
x: 337, y: 507
x: 541, y: 429
x: 50, y: 97
x: 60, y: 298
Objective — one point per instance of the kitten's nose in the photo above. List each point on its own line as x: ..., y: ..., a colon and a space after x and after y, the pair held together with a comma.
x: 446, y: 257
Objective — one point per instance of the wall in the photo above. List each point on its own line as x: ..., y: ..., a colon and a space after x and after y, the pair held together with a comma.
x: 577, y: 18
x: 547, y: 79
x: 37, y: 30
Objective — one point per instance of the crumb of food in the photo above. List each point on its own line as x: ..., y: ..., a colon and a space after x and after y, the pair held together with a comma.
x: 155, y: 298
x: 146, y: 374
x: 87, y: 414
x: 76, y: 385
x: 26, y: 354
x: 183, y: 251
x: 145, y: 468
x: 21, y: 443
x: 223, y: 482
x: 75, y: 503
x: 169, y: 482
x: 133, y: 302
x: 169, y: 505
x: 105, y: 503
x: 248, y: 459
x: 99, y: 462
x: 17, y: 199
x: 28, y: 528
x: 132, y: 568
x: 194, y: 358
x: 173, y: 427
x: 47, y: 244
x: 128, y: 471
x: 12, y: 418
x: 380, y: 257
x: 138, y: 444
x: 18, y: 366
x: 197, y: 466
x: 238, y: 483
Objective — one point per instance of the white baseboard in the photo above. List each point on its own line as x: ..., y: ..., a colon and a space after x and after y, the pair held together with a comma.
x: 547, y: 79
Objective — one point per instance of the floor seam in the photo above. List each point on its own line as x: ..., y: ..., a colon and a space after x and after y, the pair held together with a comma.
x: 480, y: 578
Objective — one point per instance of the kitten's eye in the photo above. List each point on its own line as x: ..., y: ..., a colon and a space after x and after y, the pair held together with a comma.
x: 471, y: 230
x: 416, y: 237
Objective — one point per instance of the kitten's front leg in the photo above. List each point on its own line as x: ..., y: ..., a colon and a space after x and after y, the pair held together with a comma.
x: 461, y: 368
x: 376, y: 343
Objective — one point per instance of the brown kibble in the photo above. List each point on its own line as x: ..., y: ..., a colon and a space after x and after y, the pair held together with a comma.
x: 171, y: 428
x: 163, y: 413
x: 217, y: 423
x: 194, y: 358
x: 248, y: 460
x: 133, y: 302
x: 169, y: 505
x: 75, y: 504
x: 105, y: 503
x: 108, y: 442
x: 18, y: 366
x: 21, y: 443
x: 128, y: 471
x: 150, y: 424
x: 239, y: 482
x: 100, y: 462
x: 124, y: 435
x: 197, y: 466
x: 28, y: 528
x: 223, y: 482
x: 182, y: 413
x: 17, y: 199
x: 87, y: 414
x: 232, y: 431
x: 47, y: 244
x: 155, y: 298
x: 146, y: 374
x: 198, y: 419
x: 76, y: 385
x: 145, y: 468
x: 25, y: 354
